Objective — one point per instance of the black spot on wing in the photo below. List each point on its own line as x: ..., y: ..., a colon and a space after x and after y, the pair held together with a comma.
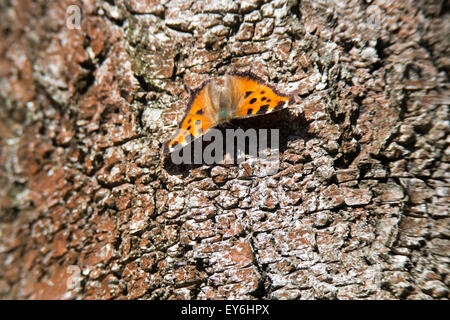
x: 248, y: 93
x: 249, y: 111
x: 188, y: 128
x: 263, y: 98
x: 199, y: 112
x: 252, y: 101
x: 263, y: 109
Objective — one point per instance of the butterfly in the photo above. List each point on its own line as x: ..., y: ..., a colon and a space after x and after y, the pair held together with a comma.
x: 242, y: 95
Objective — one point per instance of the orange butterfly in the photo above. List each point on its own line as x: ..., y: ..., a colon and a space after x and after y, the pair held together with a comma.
x: 242, y: 95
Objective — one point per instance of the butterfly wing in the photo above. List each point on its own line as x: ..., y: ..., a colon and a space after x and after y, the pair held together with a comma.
x: 256, y: 97
x: 249, y: 95
x: 194, y: 124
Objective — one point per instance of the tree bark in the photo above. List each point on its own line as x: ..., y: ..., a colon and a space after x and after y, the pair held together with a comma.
x: 357, y: 210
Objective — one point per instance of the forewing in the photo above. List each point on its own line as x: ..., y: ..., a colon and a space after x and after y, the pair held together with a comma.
x: 193, y: 125
x: 257, y: 98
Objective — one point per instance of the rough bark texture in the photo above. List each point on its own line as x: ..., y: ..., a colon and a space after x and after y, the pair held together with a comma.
x: 359, y: 208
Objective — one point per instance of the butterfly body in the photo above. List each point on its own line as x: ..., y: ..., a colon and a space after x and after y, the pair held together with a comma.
x: 238, y: 95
